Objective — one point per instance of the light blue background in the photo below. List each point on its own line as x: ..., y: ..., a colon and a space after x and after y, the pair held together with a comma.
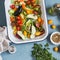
x: 24, y: 50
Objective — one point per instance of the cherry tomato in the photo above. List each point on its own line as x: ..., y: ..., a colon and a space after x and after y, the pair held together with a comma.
x: 18, y: 28
x: 18, y: 18
x: 19, y: 22
x: 12, y: 6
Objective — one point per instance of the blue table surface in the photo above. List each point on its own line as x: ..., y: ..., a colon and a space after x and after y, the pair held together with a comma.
x: 24, y: 50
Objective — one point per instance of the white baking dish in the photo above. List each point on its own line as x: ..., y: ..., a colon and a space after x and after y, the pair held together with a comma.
x: 10, y: 31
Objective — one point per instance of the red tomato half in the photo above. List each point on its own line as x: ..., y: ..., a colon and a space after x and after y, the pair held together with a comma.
x: 12, y: 6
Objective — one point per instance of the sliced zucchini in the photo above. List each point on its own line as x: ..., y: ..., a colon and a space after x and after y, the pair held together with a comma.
x: 33, y: 29
x: 33, y: 32
x: 21, y: 35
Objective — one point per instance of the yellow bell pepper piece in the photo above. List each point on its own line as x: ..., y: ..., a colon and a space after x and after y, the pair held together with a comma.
x: 25, y: 33
x: 37, y: 33
x: 39, y: 19
x: 29, y: 11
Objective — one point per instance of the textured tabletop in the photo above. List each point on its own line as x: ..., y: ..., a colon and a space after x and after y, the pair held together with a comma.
x: 24, y: 50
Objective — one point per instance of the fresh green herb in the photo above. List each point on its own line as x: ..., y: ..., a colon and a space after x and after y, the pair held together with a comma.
x: 40, y: 53
x: 46, y: 45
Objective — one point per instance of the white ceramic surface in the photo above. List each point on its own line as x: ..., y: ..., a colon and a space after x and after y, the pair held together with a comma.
x: 10, y: 31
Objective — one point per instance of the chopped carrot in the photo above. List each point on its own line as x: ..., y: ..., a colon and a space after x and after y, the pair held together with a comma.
x: 23, y: 6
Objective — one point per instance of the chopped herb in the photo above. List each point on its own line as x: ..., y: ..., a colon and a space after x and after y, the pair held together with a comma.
x: 40, y: 53
x: 46, y: 45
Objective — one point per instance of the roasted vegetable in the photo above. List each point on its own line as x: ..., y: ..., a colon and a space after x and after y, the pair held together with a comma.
x: 33, y: 32
x: 12, y: 6
x: 32, y: 16
x: 25, y: 18
x: 21, y: 35
x: 37, y: 33
x: 18, y: 11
